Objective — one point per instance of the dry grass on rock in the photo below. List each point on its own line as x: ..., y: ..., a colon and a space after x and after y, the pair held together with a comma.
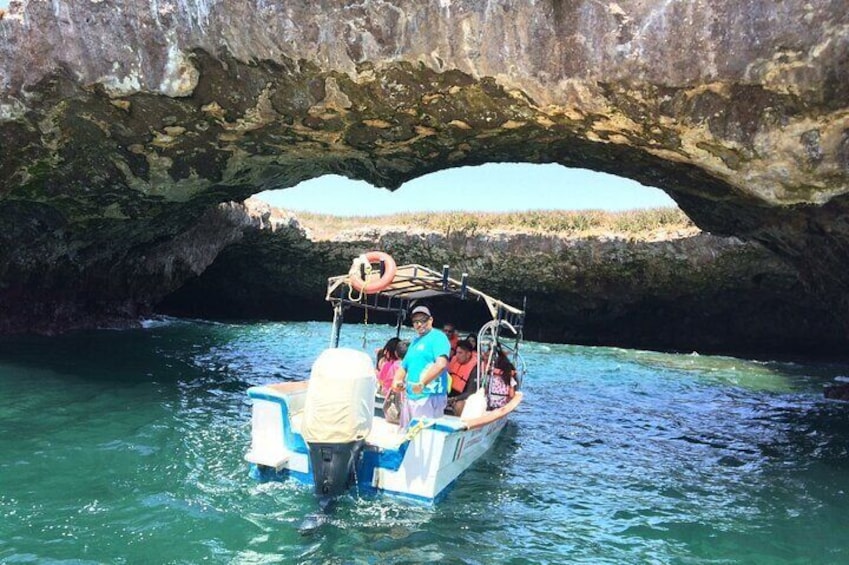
x: 647, y: 224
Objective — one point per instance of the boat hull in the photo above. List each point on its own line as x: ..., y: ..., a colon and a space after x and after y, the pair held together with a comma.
x: 420, y: 463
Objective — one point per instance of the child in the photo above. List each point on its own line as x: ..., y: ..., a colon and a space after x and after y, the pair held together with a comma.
x: 388, y: 362
x: 502, y: 386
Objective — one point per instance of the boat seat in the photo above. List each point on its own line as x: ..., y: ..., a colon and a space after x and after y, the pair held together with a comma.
x: 385, y: 435
x: 269, y: 458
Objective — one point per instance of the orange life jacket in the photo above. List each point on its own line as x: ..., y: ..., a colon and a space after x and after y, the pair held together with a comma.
x: 460, y: 373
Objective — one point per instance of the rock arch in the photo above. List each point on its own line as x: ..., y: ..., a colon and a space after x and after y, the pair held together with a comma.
x: 121, y: 131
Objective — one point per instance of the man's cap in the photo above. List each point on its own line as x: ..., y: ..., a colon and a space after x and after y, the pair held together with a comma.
x: 421, y: 310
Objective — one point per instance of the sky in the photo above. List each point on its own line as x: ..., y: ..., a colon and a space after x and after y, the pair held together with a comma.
x: 494, y: 187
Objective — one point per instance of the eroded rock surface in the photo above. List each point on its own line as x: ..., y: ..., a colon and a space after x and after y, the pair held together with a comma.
x: 124, y: 124
x: 700, y: 293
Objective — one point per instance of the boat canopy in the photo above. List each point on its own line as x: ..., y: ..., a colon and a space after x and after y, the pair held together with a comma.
x: 413, y: 283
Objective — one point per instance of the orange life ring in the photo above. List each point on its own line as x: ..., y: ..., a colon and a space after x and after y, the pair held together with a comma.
x: 372, y: 286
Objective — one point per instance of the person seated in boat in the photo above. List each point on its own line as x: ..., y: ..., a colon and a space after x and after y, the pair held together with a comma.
x: 473, y: 339
x: 450, y: 331
x: 423, y: 372
x: 502, y: 385
x: 463, y: 369
x: 387, y: 364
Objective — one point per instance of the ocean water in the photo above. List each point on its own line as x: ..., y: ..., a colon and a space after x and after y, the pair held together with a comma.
x: 127, y: 447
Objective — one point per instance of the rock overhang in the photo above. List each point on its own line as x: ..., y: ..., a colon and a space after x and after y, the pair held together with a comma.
x: 121, y: 127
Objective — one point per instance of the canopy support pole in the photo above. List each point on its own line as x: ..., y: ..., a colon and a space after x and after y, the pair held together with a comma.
x: 337, y: 325
x: 399, y: 322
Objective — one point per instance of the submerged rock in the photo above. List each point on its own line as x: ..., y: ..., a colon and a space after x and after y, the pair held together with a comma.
x: 837, y: 392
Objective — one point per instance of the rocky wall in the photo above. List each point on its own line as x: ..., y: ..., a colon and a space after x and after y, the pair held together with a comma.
x: 701, y: 293
x: 124, y: 123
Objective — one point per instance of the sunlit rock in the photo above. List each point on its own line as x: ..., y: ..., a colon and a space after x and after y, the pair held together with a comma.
x: 122, y: 126
x: 674, y: 289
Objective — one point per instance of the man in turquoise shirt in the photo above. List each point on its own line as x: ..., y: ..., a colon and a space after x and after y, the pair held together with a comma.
x: 423, y: 370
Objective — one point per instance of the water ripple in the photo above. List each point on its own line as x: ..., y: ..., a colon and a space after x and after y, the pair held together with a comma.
x: 120, y: 446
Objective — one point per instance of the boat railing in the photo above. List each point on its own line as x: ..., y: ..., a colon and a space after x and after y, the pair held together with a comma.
x: 489, y: 337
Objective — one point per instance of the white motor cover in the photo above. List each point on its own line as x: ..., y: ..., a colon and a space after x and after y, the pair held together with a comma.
x: 339, y: 406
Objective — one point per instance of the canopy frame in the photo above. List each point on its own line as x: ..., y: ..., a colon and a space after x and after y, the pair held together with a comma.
x: 412, y: 283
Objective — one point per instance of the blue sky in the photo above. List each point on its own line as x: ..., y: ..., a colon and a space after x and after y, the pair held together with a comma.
x: 494, y: 187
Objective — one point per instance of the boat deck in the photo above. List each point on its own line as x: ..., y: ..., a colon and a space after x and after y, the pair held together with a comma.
x: 385, y: 435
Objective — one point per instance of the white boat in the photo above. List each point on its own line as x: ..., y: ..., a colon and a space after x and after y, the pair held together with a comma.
x: 330, y: 431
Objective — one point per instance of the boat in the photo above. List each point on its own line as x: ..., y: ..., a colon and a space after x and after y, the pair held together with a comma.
x: 331, y: 432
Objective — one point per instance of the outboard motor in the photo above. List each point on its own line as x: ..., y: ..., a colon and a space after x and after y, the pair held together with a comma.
x: 338, y: 414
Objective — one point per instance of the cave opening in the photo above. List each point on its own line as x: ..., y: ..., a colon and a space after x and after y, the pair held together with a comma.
x: 492, y: 187
x: 673, y: 287
x: 326, y: 221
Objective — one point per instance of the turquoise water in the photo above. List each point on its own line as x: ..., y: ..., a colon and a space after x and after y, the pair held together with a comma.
x: 127, y: 446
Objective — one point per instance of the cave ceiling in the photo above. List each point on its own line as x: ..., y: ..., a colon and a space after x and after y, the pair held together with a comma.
x: 123, y: 124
